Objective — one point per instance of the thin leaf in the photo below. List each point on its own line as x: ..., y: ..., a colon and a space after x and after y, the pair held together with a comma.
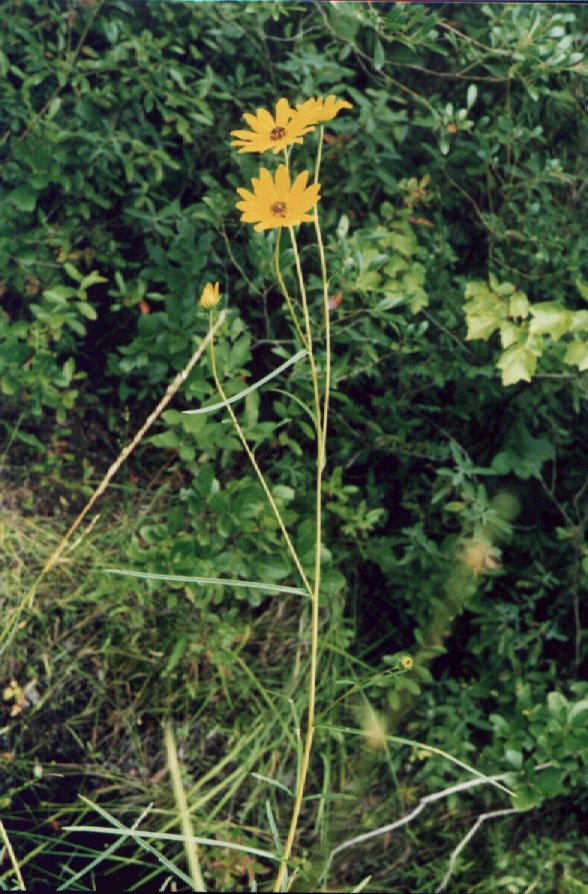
x: 251, y: 388
x: 273, y: 782
x: 204, y: 581
x: 424, y: 747
x: 142, y: 838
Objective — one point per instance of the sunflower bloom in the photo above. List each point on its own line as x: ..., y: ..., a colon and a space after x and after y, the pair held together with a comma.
x: 210, y: 295
x: 315, y: 111
x: 276, y: 203
x: 271, y: 131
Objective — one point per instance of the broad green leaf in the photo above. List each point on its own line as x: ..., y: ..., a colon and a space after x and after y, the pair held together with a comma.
x: 579, y: 321
x: 481, y: 325
x: 508, y: 334
x: 527, y: 797
x: 402, y: 243
x: 485, y: 312
x: 525, y: 455
x: 59, y: 294
x: 91, y: 279
x: 549, y: 782
x: 519, y: 305
x: 418, y: 301
x: 73, y: 272
x: 578, y: 714
x: 87, y: 310
x: 558, y: 706
x: 505, y: 289
x: 390, y: 301
x: 549, y: 318
x: 514, y: 757
x: 24, y: 197
x: 518, y: 364
x: 577, y: 354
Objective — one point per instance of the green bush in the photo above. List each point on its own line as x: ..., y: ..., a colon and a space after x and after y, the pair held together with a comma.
x: 454, y: 214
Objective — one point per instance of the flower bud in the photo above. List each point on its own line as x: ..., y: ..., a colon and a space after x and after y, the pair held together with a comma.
x: 210, y: 295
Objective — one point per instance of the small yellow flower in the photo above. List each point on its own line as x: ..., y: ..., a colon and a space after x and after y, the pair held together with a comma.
x: 407, y: 662
x: 210, y: 295
x: 274, y: 203
x: 272, y: 131
x: 315, y: 111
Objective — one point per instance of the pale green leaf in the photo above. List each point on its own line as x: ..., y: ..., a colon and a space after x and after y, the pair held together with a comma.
x: 519, y: 305
x: 518, y: 364
x: 508, y: 334
x: 577, y: 354
x: 579, y: 321
x: 549, y: 318
x: 481, y: 325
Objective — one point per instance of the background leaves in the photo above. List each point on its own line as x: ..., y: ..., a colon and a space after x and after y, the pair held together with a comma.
x: 453, y: 212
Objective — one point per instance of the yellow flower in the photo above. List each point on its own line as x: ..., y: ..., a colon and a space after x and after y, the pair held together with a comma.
x: 271, y: 132
x: 276, y: 203
x: 315, y: 111
x: 407, y: 662
x: 210, y: 295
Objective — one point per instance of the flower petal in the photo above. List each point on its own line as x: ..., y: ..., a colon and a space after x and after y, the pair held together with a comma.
x: 283, y: 112
x: 282, y: 182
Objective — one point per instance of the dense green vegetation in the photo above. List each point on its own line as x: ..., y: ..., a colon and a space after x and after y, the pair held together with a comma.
x: 455, y: 564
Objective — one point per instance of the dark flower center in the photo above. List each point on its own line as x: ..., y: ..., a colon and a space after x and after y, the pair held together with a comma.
x: 278, y: 133
x: 278, y: 209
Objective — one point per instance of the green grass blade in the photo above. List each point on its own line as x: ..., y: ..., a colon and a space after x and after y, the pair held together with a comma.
x: 143, y: 837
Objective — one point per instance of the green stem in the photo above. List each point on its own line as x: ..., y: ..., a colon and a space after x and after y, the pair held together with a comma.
x: 286, y: 294
x: 326, y: 312
x: 258, y: 471
x: 310, y: 724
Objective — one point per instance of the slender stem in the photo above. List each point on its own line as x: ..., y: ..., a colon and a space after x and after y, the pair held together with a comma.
x: 286, y: 294
x: 326, y: 312
x: 258, y: 471
x: 310, y: 723
x: 308, y: 343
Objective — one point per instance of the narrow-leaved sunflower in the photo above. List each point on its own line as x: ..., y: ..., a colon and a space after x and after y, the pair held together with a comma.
x: 271, y: 131
x: 315, y: 111
x: 276, y: 203
x: 210, y: 296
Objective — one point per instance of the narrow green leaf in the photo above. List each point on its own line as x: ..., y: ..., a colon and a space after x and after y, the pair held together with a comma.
x: 205, y: 581
x: 379, y: 55
x: 251, y: 388
x: 582, y: 289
